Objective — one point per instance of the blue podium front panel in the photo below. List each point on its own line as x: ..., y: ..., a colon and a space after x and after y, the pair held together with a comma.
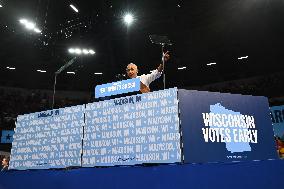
x: 49, y: 139
x: 133, y: 130
x: 220, y: 127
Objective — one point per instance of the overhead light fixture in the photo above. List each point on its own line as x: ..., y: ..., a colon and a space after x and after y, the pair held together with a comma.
x: 91, y: 51
x: 30, y: 25
x: 74, y: 8
x: 182, y: 68
x: 0, y: 6
x: 37, y: 30
x: 10, y: 68
x: 85, y: 51
x: 70, y: 72
x: 41, y: 71
x: 212, y: 63
x: 243, y: 57
x: 128, y: 19
x: 80, y: 51
x: 71, y: 50
x: 98, y: 73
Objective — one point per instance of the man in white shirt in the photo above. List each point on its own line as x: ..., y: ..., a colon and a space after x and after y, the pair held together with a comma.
x: 146, y: 79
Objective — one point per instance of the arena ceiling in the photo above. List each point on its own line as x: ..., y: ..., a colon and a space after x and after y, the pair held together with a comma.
x: 202, y: 32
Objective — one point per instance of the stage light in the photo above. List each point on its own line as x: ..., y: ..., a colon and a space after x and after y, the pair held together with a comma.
x: 74, y: 8
x: 30, y: 25
x: 182, y: 68
x: 243, y: 57
x: 41, y: 71
x: 91, y: 51
x: 85, y: 51
x: 78, y: 51
x: 212, y: 63
x: 10, y: 68
x: 71, y: 50
x: 23, y: 21
x: 70, y: 72
x: 37, y: 30
x: 98, y: 73
x: 0, y: 6
x: 128, y: 19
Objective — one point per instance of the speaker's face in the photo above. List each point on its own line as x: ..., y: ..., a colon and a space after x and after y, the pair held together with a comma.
x: 131, y: 71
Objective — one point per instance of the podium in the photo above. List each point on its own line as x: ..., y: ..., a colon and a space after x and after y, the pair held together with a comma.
x: 167, y: 126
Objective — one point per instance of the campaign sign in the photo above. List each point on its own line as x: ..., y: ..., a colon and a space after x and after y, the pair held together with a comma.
x: 277, y: 117
x: 133, y: 130
x: 222, y: 127
x: 119, y: 87
x: 49, y: 139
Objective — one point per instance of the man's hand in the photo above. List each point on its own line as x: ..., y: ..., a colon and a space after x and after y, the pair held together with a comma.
x: 166, y: 56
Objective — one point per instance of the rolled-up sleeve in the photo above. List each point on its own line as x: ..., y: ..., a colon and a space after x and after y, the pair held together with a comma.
x: 149, y: 78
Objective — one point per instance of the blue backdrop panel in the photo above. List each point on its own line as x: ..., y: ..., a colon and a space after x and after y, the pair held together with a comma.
x: 7, y: 136
x: 247, y: 175
x: 225, y: 127
x: 133, y: 130
x: 49, y: 139
x: 277, y: 116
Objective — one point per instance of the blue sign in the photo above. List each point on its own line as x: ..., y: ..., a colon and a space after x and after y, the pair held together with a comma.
x: 7, y: 136
x: 133, y: 130
x: 277, y: 117
x: 49, y: 139
x: 220, y: 127
x: 119, y: 87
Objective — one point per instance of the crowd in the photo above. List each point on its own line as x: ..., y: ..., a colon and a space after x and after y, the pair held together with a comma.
x: 14, y: 102
x: 270, y: 86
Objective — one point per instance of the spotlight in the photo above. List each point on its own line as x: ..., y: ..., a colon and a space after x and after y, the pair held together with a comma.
x: 243, y: 57
x: 85, y: 51
x: 71, y: 50
x: 92, y: 52
x: 213, y: 63
x: 70, y: 72
x: 128, y: 19
x: 0, y: 6
x: 74, y: 8
x: 41, y: 71
x: 37, y: 30
x: 23, y: 21
x: 10, y: 68
x: 78, y: 51
x: 30, y: 25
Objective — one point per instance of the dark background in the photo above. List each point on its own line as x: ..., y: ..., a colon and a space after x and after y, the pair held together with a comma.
x: 203, y: 31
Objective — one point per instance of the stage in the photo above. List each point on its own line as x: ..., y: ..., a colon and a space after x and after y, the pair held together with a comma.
x: 250, y: 174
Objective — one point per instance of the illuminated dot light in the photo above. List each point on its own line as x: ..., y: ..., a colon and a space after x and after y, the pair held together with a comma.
x: 128, y: 19
x: 212, y: 63
x: 81, y: 51
x: 182, y: 68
